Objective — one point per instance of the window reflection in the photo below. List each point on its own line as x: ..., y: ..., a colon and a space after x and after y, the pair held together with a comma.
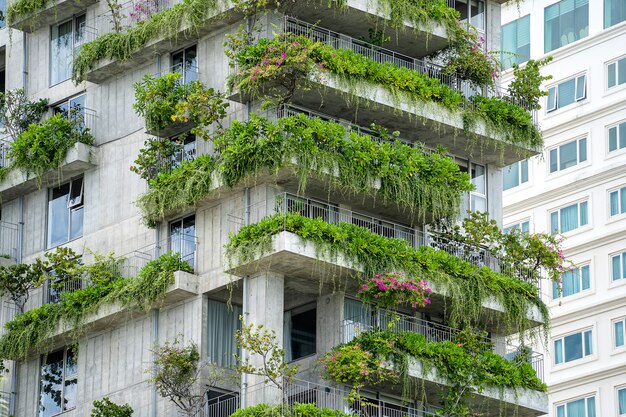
x: 58, y: 383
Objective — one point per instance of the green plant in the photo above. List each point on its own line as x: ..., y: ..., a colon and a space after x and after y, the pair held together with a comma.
x: 156, y: 156
x: 17, y: 282
x: 116, y: 15
x: 21, y: 9
x: 17, y: 112
x: 466, y: 286
x: 156, y: 98
x: 107, y: 408
x: 287, y: 410
x: 526, y: 85
x: 389, y: 290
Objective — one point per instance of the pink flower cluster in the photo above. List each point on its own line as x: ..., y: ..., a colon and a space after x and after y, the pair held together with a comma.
x: 389, y: 289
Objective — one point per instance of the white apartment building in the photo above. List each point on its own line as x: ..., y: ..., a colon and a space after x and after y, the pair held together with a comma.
x: 577, y: 187
x: 306, y: 296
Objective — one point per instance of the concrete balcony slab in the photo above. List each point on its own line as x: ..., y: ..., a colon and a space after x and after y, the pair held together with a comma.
x: 79, y: 159
x: 53, y: 13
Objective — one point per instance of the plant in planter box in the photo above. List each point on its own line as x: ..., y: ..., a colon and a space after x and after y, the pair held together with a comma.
x: 391, y: 289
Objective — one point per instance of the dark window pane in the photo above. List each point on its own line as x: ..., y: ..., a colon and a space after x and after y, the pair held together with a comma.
x: 51, y: 391
x: 573, y: 347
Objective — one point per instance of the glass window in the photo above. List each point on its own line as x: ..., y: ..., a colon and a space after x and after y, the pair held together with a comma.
x: 64, y: 38
x: 65, y: 212
x: 59, y: 373
x: 523, y: 226
x: 515, y: 42
x: 186, y: 62
x: 614, y: 12
x: 621, y: 401
x: 583, y: 407
x: 478, y: 197
x: 183, y: 238
x: 619, y: 328
x: 300, y: 332
x: 223, y: 322
x: 572, y: 347
x: 73, y: 108
x: 569, y: 218
x: 617, y: 201
x: 616, y: 73
x: 573, y: 282
x: 186, y: 149
x: 618, y: 266
x: 565, y: 22
x: 568, y: 155
x: 515, y: 174
x: 566, y: 92
x: 617, y: 137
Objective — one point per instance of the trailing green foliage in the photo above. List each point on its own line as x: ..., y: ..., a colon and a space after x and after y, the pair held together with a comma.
x: 526, y: 86
x: 43, y: 147
x: 20, y: 9
x: 167, y: 24
x: 467, y: 365
x: 33, y: 329
x: 465, y: 285
x: 107, y: 408
x: 423, y: 183
x: 287, y: 410
x: 273, y: 69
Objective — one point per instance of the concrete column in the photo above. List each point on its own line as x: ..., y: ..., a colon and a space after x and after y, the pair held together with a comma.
x: 266, y: 300
x: 329, y: 321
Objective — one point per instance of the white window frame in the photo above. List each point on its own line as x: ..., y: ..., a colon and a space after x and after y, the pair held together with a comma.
x: 519, y: 174
x: 550, y: 108
x: 584, y: 397
x: 622, y: 255
x: 607, y: 72
x: 562, y: 297
x: 64, y: 377
x: 614, y: 335
x: 517, y: 225
x: 75, y: 45
x: 617, y: 137
x: 558, y: 210
x: 617, y: 390
x: 73, y: 205
x: 620, y: 210
x: 557, y: 148
x: 562, y: 338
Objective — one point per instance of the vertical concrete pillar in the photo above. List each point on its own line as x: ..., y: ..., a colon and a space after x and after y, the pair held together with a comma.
x: 329, y: 321
x: 265, y: 303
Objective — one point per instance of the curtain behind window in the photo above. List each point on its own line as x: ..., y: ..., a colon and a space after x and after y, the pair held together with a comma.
x: 223, y: 322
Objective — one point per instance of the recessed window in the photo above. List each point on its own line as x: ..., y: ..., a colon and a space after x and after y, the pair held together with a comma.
x: 515, y: 42
x: 616, y: 73
x: 617, y: 137
x: 619, y: 329
x: 617, y: 201
x: 567, y: 92
x: 582, y: 407
x: 614, y: 12
x: 478, y: 197
x: 59, y: 378
x: 223, y: 323
x: 569, y: 218
x: 183, y: 238
x: 568, y: 155
x: 73, y: 108
x: 573, y: 282
x: 64, y: 38
x: 565, y: 22
x: 300, y: 332
x: 621, y: 401
x: 572, y: 347
x: 186, y: 151
x: 65, y: 212
x: 515, y: 174
x: 185, y: 61
x: 524, y: 226
x: 618, y: 266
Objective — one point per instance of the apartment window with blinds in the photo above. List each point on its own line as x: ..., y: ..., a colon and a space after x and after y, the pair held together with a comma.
x: 582, y: 407
x: 515, y: 174
x: 614, y: 12
x: 573, y: 282
x: 569, y: 218
x: 573, y: 347
x: 566, y: 92
x: 515, y: 42
x: 618, y: 266
x: 565, y: 22
x: 616, y: 72
x: 617, y: 201
x: 223, y: 323
x: 617, y: 137
x: 568, y: 155
x: 524, y: 226
x: 619, y: 333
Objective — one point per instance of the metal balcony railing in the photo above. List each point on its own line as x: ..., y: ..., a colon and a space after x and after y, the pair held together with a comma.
x: 387, y: 56
x: 5, y: 145
x: 332, y: 213
x: 8, y: 240
x: 6, y: 400
x: 189, y: 73
x: 435, y: 332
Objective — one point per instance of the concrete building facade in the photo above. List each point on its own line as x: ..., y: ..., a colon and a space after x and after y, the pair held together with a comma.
x: 581, y: 172
x: 306, y: 296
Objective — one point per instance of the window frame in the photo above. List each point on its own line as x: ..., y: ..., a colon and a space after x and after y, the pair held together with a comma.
x: 607, y: 72
x: 301, y: 309
x: 562, y: 337
x: 520, y: 174
x: 558, y: 210
x: 475, y: 194
x: 605, y: 24
x: 617, y: 391
x: 622, y: 262
x: 558, y: 147
x: 512, y: 57
x: 614, y: 333
x: 183, y: 70
x: 75, y: 43
x: 71, y: 206
x: 181, y: 221
x: 517, y: 225
x: 621, y: 208
x: 571, y: 400
x: 555, y: 107
x: 559, y: 294
x: 560, y: 35
x: 64, y: 379
x: 617, y: 149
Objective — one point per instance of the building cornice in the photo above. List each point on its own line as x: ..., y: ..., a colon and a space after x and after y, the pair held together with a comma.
x: 601, y: 374
x: 589, y: 311
x: 614, y: 107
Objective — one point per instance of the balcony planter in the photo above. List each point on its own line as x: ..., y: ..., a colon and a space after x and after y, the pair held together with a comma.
x: 49, y: 13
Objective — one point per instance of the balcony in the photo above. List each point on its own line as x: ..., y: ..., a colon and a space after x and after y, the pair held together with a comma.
x: 54, y: 12
x: 8, y: 243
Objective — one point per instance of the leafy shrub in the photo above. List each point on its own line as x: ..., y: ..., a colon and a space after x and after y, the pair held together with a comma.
x: 107, y: 408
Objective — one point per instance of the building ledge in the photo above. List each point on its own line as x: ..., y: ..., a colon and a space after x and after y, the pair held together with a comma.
x: 6, y: 261
x: 490, y: 400
x: 54, y: 12
x: 308, y: 267
x: 79, y: 159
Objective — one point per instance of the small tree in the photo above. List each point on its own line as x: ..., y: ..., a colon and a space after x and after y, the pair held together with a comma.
x: 17, y: 281
x: 526, y: 86
x: 17, y: 112
x: 259, y: 341
x: 107, y: 408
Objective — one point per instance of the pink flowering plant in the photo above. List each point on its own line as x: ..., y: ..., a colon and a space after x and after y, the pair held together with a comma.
x: 143, y: 9
x: 390, y: 289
